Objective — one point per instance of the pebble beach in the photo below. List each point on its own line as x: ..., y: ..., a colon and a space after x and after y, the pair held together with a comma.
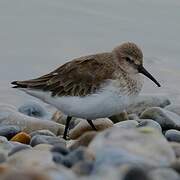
x: 140, y: 143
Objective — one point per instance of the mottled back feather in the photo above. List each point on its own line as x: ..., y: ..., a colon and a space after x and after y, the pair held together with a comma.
x: 79, y: 77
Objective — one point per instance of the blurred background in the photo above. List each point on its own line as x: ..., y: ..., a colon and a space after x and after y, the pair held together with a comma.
x: 36, y: 36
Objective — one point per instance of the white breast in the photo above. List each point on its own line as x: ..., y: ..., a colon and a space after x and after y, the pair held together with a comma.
x: 105, y: 103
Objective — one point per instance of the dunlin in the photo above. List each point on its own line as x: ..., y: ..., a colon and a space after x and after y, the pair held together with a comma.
x: 93, y: 86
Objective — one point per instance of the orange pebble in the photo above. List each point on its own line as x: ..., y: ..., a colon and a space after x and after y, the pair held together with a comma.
x: 22, y: 137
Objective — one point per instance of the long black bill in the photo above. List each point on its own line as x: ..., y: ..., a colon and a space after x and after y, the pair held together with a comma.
x: 142, y: 70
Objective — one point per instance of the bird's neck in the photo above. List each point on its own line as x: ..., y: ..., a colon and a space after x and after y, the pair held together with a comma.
x: 128, y: 83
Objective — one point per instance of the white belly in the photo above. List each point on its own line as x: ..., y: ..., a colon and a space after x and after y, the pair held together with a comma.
x: 102, y: 104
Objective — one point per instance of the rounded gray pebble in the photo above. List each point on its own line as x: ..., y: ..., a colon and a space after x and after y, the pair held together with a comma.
x: 60, y: 149
x: 167, y: 119
x: 173, y: 135
x: 9, y: 131
x: 33, y: 109
x: 133, y: 117
x: 42, y: 139
x: 84, y: 168
x: 149, y: 123
x: 71, y: 159
x: 173, y: 108
x: 77, y: 155
x: 45, y: 132
x: 60, y: 159
x: 164, y: 174
x: 2, y: 158
x: 127, y: 124
x: 18, y: 148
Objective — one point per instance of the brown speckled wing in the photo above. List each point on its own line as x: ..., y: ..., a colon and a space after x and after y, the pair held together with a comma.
x: 79, y: 77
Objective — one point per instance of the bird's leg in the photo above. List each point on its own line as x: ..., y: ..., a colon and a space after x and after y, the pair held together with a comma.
x: 91, y: 124
x: 67, y: 126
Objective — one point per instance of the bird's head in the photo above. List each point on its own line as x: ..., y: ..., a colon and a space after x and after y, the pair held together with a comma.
x: 130, y: 57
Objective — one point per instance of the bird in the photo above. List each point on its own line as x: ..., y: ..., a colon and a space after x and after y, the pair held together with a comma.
x: 92, y: 86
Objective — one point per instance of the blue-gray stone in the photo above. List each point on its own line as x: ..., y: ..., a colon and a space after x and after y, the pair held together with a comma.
x: 118, y: 146
x: 127, y: 124
x: 164, y: 174
x: 42, y: 139
x: 9, y: 131
x: 72, y: 158
x: 84, y: 168
x: 143, y: 102
x: 33, y: 109
x: 60, y: 149
x: 18, y: 148
x: 167, y: 119
x: 173, y: 135
x: 149, y: 123
x: 116, y: 157
x: 174, y: 108
x: 45, y: 132
x: 2, y: 157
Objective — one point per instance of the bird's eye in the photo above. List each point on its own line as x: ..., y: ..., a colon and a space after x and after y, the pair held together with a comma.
x: 128, y: 59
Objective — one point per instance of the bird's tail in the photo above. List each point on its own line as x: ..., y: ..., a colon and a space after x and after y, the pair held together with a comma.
x: 33, y: 83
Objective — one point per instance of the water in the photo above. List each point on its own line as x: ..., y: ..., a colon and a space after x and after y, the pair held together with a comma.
x: 38, y: 35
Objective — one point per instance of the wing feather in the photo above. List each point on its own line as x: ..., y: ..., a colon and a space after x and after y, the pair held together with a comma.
x: 79, y: 77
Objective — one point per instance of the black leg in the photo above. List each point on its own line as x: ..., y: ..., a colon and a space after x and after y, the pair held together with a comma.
x: 67, y: 126
x: 91, y: 124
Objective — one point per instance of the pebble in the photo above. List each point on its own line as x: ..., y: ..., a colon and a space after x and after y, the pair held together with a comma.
x: 9, y: 131
x: 173, y: 135
x: 3, y: 169
x: 123, y: 116
x: 174, y: 108
x: 127, y: 124
x: 83, y: 168
x: 83, y: 126
x: 21, y: 137
x: 24, y: 175
x: 164, y: 174
x: 59, y: 117
x: 133, y: 117
x: 43, y: 147
x: 60, y: 149
x: 27, y: 124
x: 42, y: 132
x: 106, y: 173
x: 42, y: 139
x: 118, y: 146
x: 78, y: 155
x: 2, y: 158
x: 142, y: 102
x: 31, y: 159
x: 176, y: 165
x: 6, y: 147
x: 149, y: 123
x: 136, y: 173
x: 176, y: 148
x: 3, y: 139
x: 167, y: 119
x: 60, y: 159
x: 33, y: 109
x: 83, y: 140
x: 18, y: 148
x: 81, y: 154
